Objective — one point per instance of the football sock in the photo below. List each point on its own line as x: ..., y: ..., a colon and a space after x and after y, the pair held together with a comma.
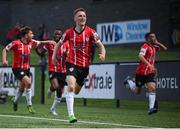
x: 152, y: 98
x: 70, y: 103
x: 132, y: 84
x: 28, y: 96
x: 18, y: 95
x: 55, y: 103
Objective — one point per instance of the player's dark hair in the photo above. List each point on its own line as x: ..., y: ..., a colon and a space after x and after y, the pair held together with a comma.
x: 57, y: 30
x: 24, y: 30
x: 147, y: 35
x: 77, y: 10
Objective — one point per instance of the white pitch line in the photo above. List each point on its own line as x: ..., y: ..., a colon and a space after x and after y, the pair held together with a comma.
x: 86, y: 122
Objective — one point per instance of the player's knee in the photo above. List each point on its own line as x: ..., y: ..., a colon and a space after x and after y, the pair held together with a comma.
x: 70, y: 88
x: 52, y: 88
x: 76, y: 92
x: 58, y: 93
x: 28, y: 84
x: 21, y: 89
x: 77, y: 89
x: 152, y: 88
x: 137, y: 91
x: 55, y: 87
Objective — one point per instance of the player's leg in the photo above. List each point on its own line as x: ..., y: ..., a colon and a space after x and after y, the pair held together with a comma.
x: 79, y: 84
x: 18, y: 95
x: 54, y: 86
x: 135, y: 84
x: 27, y: 81
x: 71, y: 82
x: 19, y: 74
x: 77, y: 89
x: 82, y: 74
x: 53, y: 82
x: 59, y: 92
x: 129, y: 83
x: 57, y: 100
x: 54, y: 105
x: 152, y: 97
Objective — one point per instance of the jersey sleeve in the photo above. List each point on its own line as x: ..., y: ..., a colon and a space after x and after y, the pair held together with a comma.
x: 35, y: 43
x: 67, y: 48
x: 11, y: 46
x: 65, y: 36
x: 94, y: 35
x: 143, y: 50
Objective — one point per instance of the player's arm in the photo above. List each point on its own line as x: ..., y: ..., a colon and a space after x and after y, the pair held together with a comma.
x: 57, y: 46
x: 9, y: 47
x: 44, y: 42
x: 102, y: 51
x: 142, y: 59
x: 48, y: 41
x: 63, y: 39
x: 4, y: 55
x: 161, y: 45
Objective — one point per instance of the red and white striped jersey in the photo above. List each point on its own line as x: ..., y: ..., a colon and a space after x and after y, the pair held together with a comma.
x: 61, y: 56
x: 80, y: 45
x: 149, y: 53
x: 22, y: 53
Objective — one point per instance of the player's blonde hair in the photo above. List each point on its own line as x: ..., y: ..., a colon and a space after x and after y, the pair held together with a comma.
x: 77, y: 10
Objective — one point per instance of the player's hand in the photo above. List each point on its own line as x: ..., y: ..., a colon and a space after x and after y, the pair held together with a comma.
x: 152, y: 67
x: 101, y: 57
x: 54, y: 60
x: 5, y: 63
x: 156, y: 42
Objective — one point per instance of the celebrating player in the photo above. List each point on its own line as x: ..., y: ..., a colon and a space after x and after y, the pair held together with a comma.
x: 21, y: 64
x: 57, y: 72
x: 80, y: 40
x: 145, y: 72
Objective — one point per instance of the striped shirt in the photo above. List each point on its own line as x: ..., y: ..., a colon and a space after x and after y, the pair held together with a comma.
x: 61, y: 56
x: 149, y: 53
x: 80, y: 45
x: 22, y: 53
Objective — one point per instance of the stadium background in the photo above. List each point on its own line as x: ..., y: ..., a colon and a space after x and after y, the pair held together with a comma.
x: 59, y: 13
x: 164, y: 16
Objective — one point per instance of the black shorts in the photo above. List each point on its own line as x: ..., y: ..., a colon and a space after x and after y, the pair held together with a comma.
x: 61, y: 79
x: 20, y: 73
x: 60, y: 76
x: 52, y: 75
x: 79, y: 73
x: 143, y: 79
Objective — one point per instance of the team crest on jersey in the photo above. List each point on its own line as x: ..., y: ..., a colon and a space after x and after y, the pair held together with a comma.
x: 22, y: 73
x: 71, y: 69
